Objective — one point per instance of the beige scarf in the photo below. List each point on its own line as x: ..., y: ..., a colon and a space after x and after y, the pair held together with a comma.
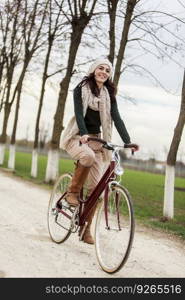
x: 101, y: 103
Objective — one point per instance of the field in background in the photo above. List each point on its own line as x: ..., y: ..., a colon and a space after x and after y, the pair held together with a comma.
x: 145, y: 188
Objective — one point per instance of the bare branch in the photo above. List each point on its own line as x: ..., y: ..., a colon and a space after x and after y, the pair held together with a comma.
x: 135, y: 67
x: 181, y: 3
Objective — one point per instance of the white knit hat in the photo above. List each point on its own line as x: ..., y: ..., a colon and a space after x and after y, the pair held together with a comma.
x: 100, y: 61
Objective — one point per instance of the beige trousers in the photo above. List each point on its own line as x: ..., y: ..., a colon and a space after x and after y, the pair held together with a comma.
x: 89, y: 155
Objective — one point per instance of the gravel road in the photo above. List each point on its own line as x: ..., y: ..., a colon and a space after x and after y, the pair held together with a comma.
x: 26, y: 249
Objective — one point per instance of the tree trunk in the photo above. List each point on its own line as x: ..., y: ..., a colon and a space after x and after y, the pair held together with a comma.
x: 4, y: 134
x: 2, y: 62
x: 36, y: 140
x: 52, y: 165
x: 168, y: 208
x: 7, y: 108
x: 2, y: 152
x: 34, y: 163
x: 12, y: 148
x: 13, y: 136
x: 11, y: 160
x: 78, y: 27
x: 129, y: 12
x: 112, y: 8
x: 5, y: 123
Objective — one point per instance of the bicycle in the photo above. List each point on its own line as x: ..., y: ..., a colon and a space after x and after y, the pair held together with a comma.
x: 114, y: 228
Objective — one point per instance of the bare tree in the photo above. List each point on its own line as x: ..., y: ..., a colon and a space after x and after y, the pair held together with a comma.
x: 124, y: 38
x: 53, y: 29
x: 32, y: 25
x: 147, y: 32
x: 168, y: 208
x: 150, y: 32
x: 9, y: 24
x: 79, y: 15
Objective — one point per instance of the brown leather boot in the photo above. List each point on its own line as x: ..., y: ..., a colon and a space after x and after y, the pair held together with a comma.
x: 78, y: 179
x: 87, y: 237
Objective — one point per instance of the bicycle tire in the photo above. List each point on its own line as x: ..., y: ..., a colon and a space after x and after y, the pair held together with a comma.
x: 59, y: 226
x: 113, y: 244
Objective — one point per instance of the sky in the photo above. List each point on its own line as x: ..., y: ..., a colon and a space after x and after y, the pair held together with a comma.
x: 150, y: 120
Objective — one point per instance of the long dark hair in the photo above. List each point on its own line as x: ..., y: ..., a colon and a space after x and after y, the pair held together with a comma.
x: 94, y: 88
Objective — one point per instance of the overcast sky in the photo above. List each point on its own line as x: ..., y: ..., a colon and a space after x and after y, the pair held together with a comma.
x: 150, y: 120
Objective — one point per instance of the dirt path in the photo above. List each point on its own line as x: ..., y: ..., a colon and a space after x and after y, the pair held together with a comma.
x: 27, y: 251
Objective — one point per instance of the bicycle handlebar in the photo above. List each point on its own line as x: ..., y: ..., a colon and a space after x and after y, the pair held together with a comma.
x: 97, y: 140
x: 110, y: 146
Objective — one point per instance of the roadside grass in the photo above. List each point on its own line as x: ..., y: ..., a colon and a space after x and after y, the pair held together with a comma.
x: 146, y: 189
x: 23, y: 167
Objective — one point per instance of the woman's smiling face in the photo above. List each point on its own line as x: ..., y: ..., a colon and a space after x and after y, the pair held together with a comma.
x: 101, y: 74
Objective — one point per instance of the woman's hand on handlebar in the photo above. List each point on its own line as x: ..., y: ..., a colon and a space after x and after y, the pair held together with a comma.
x: 133, y: 147
x: 84, y: 138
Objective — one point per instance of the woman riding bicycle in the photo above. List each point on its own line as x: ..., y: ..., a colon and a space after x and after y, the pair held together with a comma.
x: 95, y: 107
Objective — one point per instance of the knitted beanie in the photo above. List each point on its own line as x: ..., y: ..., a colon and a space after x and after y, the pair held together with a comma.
x: 100, y: 61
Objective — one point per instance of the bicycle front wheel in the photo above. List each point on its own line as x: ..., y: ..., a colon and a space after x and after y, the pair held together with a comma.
x: 114, y: 230
x: 59, y: 213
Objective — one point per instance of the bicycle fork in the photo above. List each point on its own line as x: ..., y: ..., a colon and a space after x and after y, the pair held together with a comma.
x: 106, y: 199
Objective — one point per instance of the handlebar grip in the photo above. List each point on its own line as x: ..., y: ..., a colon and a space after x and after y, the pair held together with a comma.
x: 131, y: 146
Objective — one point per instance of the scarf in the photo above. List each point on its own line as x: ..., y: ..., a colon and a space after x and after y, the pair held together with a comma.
x: 101, y: 103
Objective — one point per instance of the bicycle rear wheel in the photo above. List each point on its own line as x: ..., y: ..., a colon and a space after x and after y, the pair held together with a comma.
x: 59, y: 212
x: 114, y: 230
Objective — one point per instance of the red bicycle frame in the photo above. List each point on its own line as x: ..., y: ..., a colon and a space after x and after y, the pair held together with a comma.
x: 93, y: 198
x: 84, y: 212
x: 108, y: 176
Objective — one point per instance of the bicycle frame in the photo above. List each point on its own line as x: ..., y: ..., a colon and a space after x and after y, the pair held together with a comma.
x: 108, y: 176
x: 115, y: 213
x: 93, y: 198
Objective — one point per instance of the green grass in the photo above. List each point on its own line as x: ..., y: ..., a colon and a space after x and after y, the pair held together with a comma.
x: 23, y: 166
x: 146, y: 189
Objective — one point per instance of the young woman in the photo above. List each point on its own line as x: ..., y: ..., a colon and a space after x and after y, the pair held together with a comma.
x: 95, y: 108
